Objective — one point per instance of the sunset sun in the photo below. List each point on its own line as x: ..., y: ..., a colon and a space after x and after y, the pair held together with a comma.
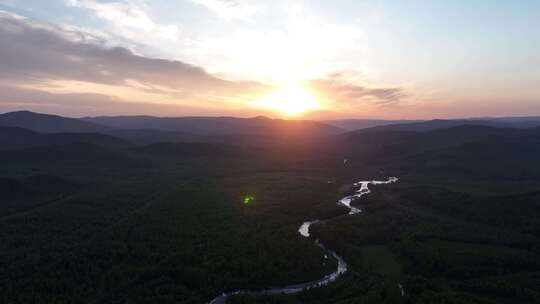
x: 290, y: 100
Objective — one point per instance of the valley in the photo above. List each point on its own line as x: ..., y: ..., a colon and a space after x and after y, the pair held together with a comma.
x: 100, y: 219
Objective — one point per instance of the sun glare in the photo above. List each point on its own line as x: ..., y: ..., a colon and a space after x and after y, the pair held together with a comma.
x: 290, y: 100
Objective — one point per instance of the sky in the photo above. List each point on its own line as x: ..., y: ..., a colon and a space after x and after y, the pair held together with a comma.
x: 304, y: 59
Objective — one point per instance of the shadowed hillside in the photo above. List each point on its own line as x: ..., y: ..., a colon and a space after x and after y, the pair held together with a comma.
x: 219, y: 125
x: 18, y: 138
x: 109, y: 221
x: 74, y: 154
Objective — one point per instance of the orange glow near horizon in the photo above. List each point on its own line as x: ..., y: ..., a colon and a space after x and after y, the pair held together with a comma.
x: 289, y: 100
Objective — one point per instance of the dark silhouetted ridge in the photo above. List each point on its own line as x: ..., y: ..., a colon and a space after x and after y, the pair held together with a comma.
x: 46, y: 123
x: 218, y: 126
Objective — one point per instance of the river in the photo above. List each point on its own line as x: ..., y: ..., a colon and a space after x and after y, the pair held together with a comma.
x: 342, y: 267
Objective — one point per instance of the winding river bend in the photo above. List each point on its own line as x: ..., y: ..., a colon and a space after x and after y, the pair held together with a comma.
x: 342, y: 266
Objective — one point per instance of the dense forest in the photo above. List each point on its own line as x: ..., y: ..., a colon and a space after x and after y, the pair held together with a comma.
x: 102, y: 218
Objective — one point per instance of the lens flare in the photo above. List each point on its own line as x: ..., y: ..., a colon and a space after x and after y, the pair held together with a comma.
x: 248, y: 199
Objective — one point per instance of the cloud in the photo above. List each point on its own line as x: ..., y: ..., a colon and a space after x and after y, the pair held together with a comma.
x: 33, y: 52
x: 69, y: 69
x: 230, y: 9
x: 299, y: 45
x: 337, y: 87
x: 14, y: 96
x: 127, y: 18
x: 83, y: 104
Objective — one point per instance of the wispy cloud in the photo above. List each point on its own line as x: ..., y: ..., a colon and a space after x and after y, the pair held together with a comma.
x: 301, y: 46
x: 79, y: 69
x: 87, y: 104
x: 339, y: 88
x: 128, y: 18
x: 231, y: 9
x: 42, y: 55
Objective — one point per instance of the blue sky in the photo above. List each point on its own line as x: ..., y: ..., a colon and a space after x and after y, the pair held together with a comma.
x: 389, y: 59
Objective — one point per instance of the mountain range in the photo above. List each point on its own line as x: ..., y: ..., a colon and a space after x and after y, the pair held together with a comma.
x: 147, y: 205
